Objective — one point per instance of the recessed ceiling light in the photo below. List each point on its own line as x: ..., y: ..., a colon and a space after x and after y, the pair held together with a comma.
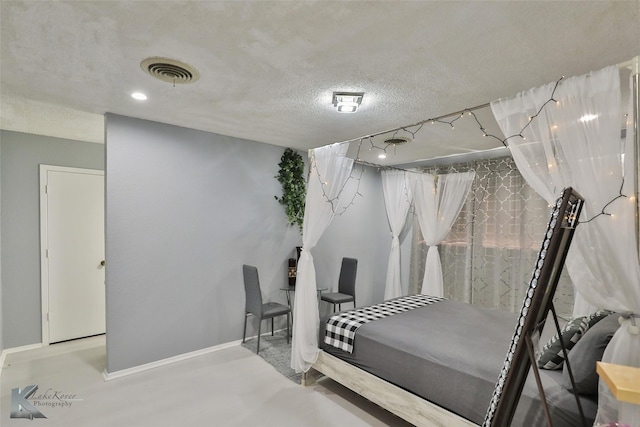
x: 382, y: 156
x: 139, y: 96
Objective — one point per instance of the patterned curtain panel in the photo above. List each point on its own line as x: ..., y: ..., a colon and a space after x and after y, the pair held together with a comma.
x: 489, y: 254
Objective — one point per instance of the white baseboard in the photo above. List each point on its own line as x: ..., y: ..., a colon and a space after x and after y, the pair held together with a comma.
x: 108, y: 376
x: 6, y: 351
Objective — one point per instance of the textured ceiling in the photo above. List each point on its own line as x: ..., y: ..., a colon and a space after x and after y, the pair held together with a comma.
x: 268, y: 69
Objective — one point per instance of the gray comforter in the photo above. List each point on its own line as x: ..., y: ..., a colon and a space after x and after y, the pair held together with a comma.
x: 451, y: 353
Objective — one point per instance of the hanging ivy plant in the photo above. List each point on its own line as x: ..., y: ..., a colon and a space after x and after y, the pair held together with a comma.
x: 291, y: 176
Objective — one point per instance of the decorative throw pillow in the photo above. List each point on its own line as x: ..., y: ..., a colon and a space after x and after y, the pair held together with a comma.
x: 594, y: 318
x: 586, y: 353
x: 551, y: 356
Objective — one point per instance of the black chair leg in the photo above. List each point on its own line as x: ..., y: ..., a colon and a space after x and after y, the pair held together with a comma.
x: 272, y: 326
x: 259, y: 326
x: 287, y: 328
x: 244, y: 330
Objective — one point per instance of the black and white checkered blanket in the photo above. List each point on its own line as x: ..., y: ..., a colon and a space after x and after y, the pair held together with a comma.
x: 341, y: 328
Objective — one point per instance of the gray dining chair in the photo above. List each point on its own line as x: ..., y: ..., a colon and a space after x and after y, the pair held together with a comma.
x: 256, y: 307
x: 346, y: 285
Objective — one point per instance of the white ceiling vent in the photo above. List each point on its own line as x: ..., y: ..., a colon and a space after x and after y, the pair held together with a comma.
x: 170, y: 70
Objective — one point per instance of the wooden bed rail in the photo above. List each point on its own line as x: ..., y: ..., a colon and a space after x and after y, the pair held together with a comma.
x: 406, y: 405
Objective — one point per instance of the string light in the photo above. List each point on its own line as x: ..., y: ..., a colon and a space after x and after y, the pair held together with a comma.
x: 418, y: 127
x: 602, y: 212
x: 459, y: 115
x: 335, y: 201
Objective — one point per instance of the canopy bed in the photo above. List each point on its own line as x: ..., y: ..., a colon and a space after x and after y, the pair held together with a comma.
x: 452, y: 383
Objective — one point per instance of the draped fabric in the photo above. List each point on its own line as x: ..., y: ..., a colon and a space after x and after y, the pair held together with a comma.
x: 397, y: 201
x: 488, y: 255
x: 329, y: 169
x: 576, y: 142
x: 438, y: 200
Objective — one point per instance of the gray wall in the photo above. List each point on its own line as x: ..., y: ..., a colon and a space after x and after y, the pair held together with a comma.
x: 1, y: 340
x: 20, y: 157
x: 174, y: 245
x: 362, y: 232
x: 184, y: 210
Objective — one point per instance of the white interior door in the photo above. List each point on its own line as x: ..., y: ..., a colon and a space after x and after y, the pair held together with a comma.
x: 73, y: 253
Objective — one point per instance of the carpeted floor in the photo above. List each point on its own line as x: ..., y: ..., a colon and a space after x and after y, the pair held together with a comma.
x: 276, y: 351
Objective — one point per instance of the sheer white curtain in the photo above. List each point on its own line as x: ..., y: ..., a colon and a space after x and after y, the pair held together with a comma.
x: 576, y: 142
x: 329, y: 169
x: 438, y: 200
x: 488, y: 254
x: 397, y: 201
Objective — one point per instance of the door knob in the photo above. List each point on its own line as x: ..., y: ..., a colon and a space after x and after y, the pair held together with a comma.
x: 102, y: 263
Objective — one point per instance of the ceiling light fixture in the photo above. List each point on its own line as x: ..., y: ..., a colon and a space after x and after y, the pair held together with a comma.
x: 139, y: 96
x: 347, y: 102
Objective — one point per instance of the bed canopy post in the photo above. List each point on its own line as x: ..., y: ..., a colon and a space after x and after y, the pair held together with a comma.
x: 635, y: 117
x: 535, y: 308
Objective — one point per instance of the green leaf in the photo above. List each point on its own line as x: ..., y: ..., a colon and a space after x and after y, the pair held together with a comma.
x: 291, y: 177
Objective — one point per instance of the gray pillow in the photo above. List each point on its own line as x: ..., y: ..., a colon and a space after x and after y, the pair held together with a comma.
x: 586, y: 353
x: 551, y: 355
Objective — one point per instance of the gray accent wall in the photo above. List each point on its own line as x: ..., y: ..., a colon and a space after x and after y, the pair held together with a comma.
x: 20, y: 157
x: 1, y: 340
x: 184, y: 210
